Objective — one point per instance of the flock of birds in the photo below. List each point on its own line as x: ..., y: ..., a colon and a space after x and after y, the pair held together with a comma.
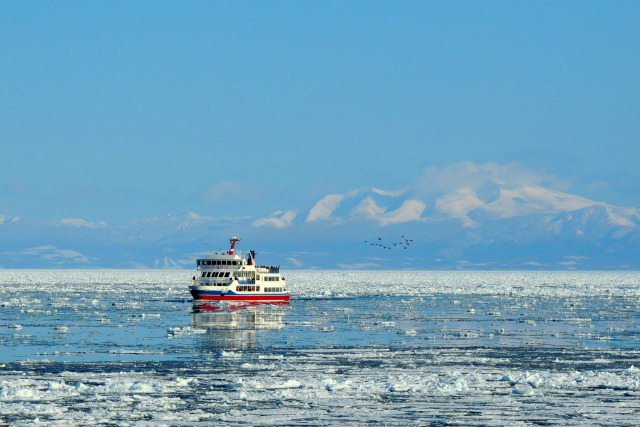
x: 402, y: 244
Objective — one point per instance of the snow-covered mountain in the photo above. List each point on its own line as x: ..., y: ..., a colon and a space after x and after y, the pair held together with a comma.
x: 396, y: 207
x: 484, y: 226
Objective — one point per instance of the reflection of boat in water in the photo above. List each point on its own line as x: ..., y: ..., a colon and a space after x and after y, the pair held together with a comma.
x: 234, y: 326
x: 227, y: 276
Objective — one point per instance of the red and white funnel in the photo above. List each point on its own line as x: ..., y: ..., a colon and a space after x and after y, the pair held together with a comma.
x: 233, y: 242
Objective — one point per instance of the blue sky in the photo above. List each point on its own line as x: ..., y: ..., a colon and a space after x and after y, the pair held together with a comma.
x: 118, y: 110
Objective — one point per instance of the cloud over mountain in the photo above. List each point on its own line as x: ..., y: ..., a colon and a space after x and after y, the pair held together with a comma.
x: 462, y: 191
x: 464, y: 215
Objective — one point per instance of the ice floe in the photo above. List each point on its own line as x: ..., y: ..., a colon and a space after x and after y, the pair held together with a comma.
x: 395, y: 348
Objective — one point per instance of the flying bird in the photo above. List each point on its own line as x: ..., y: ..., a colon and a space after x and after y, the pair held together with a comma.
x: 403, y: 243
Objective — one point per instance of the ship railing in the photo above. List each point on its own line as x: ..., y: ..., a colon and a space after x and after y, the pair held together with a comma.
x: 270, y: 268
x: 219, y: 267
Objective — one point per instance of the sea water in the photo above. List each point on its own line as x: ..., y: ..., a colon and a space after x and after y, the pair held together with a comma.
x: 112, y: 347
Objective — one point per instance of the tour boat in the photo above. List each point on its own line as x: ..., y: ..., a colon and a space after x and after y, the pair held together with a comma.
x: 228, y: 276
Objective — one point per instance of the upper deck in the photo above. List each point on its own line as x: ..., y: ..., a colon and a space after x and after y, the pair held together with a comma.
x: 233, y: 260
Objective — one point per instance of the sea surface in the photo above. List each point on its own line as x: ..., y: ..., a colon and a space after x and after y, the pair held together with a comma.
x: 114, y: 347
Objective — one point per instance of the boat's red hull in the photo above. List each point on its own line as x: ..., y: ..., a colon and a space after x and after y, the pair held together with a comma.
x: 208, y: 297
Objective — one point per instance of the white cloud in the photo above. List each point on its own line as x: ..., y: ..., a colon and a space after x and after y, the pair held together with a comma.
x: 485, y: 179
x: 500, y: 190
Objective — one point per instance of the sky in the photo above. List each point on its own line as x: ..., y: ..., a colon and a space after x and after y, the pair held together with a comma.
x: 111, y: 111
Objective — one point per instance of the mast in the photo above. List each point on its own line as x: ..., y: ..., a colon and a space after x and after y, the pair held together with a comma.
x: 233, y: 242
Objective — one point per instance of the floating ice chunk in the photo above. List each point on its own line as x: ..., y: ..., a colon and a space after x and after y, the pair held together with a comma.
x: 332, y: 385
x: 156, y: 315
x: 187, y: 330
x: 15, y: 326
x: 399, y: 387
x: 228, y: 354
x: 461, y: 386
x: 238, y: 384
x: 523, y: 391
x: 183, y: 382
x: 386, y: 323
x: 133, y: 387
x: 467, y: 334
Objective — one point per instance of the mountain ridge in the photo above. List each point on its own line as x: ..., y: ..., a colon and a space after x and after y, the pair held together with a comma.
x: 490, y: 226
